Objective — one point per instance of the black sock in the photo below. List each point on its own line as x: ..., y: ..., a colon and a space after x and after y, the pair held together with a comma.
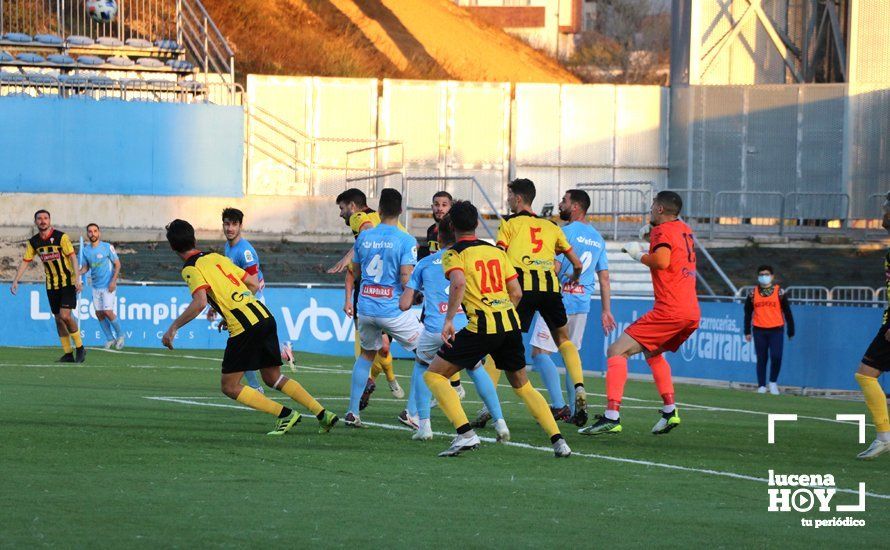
x: 579, y: 385
x: 464, y: 429
x: 285, y: 412
x: 555, y: 438
x: 455, y: 383
x: 320, y: 415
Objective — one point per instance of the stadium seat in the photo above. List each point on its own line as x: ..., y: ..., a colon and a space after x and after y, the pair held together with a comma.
x: 77, y: 40
x: 48, y: 39
x: 150, y: 62
x: 119, y: 61
x: 166, y: 44
x: 17, y: 37
x: 90, y: 60
x: 60, y: 59
x: 138, y: 43
x: 180, y: 65
x: 31, y: 58
x: 109, y: 42
x: 12, y: 78
x: 6, y: 57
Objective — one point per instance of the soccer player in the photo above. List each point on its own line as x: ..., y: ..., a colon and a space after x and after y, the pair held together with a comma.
x: 673, y: 319
x: 253, y: 334
x: 62, y: 282
x: 532, y: 244
x: 590, y: 247
x: 429, y: 278
x: 244, y: 255
x: 384, y: 258
x: 875, y: 362
x: 104, y: 266
x: 484, y: 282
x: 354, y: 210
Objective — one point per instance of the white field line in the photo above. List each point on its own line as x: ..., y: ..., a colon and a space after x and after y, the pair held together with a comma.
x: 538, y: 448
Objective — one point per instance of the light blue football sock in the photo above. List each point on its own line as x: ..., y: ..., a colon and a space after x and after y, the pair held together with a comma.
x: 116, y: 324
x: 106, y: 329
x: 547, y: 370
x: 252, y: 380
x: 570, y: 391
x: 360, y: 372
x: 412, y: 396
x: 424, y: 395
x: 486, y: 390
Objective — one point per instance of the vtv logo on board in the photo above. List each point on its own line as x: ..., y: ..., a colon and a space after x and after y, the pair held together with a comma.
x: 342, y: 326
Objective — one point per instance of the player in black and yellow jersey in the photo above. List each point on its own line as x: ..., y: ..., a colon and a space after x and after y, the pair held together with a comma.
x: 59, y: 259
x: 484, y: 282
x: 532, y: 244
x: 442, y: 201
x: 354, y: 210
x: 253, y: 334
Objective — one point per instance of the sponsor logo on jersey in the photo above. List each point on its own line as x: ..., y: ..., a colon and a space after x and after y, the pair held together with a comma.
x: 377, y: 291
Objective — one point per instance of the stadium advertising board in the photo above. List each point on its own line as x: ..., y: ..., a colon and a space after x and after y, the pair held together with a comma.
x: 313, y: 321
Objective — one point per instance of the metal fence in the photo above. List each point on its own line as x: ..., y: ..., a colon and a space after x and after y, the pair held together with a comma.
x: 858, y: 296
x: 625, y: 204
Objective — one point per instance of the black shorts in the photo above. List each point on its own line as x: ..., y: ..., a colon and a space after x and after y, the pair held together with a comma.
x: 254, y: 349
x: 468, y: 348
x: 877, y: 356
x: 355, y: 304
x: 548, y: 304
x: 65, y: 297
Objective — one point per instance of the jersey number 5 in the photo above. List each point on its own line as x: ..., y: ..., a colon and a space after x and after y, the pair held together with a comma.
x: 533, y: 234
x: 229, y: 276
x: 492, y: 280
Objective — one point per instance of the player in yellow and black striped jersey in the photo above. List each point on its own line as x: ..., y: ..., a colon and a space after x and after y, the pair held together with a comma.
x: 60, y: 265
x: 532, y: 244
x: 253, y: 333
x: 485, y: 283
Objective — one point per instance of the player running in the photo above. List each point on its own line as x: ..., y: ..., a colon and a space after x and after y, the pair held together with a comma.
x: 531, y: 244
x: 253, y: 334
x: 875, y: 362
x: 104, y: 266
x: 360, y: 217
x: 673, y: 319
x: 484, y: 282
x: 590, y: 247
x: 62, y: 282
x: 429, y: 278
x: 384, y: 258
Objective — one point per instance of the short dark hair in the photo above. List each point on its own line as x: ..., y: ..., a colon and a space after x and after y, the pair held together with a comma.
x: 671, y: 202
x: 525, y: 188
x: 579, y: 197
x: 463, y: 216
x: 41, y: 211
x: 233, y: 215
x: 390, y: 204
x: 180, y: 235
x: 446, y: 232
x: 91, y: 224
x: 353, y: 195
x: 765, y: 267
x: 445, y: 194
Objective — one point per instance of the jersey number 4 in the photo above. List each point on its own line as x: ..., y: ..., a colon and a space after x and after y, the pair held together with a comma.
x: 492, y: 280
x: 375, y: 268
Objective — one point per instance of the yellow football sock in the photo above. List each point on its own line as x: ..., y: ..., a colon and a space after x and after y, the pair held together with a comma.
x: 295, y: 391
x: 447, y: 398
x: 875, y: 400
x: 75, y: 337
x: 492, y: 371
x: 572, y: 359
x: 358, y: 345
x: 258, y: 401
x: 455, y: 378
x: 386, y: 365
x: 376, y: 368
x: 66, y: 343
x: 537, y: 405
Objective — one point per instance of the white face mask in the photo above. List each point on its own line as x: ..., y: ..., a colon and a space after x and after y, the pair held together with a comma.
x: 764, y: 280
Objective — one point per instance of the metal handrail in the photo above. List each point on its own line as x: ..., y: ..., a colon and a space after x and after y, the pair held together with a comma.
x: 744, y: 194
x: 476, y: 184
x: 714, y: 265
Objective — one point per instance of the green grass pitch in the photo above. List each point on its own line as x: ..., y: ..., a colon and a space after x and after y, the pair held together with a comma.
x: 140, y: 449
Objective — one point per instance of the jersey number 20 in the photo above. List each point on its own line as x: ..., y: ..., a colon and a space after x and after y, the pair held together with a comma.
x: 492, y: 280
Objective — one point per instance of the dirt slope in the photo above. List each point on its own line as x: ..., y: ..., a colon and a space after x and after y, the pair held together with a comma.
x: 425, y: 39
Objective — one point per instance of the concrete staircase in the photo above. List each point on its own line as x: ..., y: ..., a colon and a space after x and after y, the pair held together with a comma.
x: 627, y: 277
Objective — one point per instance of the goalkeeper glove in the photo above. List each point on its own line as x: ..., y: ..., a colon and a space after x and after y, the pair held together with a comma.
x: 634, y: 250
x: 644, y: 232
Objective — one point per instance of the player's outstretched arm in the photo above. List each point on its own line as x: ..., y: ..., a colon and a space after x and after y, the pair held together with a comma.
x: 252, y: 282
x: 197, y: 305
x: 405, y: 272
x: 606, y: 300
x: 112, y: 286
x: 344, y: 262
x: 577, y: 266
x: 78, y: 284
x: 660, y: 259
x: 515, y: 291
x: 23, y: 265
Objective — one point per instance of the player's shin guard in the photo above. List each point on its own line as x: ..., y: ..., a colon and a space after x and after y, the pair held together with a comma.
x: 572, y: 359
x: 492, y: 371
x: 875, y: 400
x: 616, y: 377
x: 661, y: 372
x: 447, y: 399
x: 488, y: 392
x: 422, y: 393
x: 360, y: 372
x: 298, y: 393
x: 537, y: 405
x: 547, y: 370
x: 258, y: 401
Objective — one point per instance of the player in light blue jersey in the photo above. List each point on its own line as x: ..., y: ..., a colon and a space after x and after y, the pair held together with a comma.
x: 101, y: 261
x: 429, y: 278
x: 242, y: 254
x: 590, y: 247
x: 383, y: 260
